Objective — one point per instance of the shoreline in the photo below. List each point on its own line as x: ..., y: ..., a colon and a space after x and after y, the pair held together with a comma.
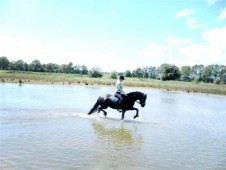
x: 105, y: 81
x: 132, y: 87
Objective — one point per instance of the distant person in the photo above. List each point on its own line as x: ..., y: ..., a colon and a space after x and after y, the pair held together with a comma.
x: 120, y: 94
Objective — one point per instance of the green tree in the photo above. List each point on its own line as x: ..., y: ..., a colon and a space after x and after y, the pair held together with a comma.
x: 223, y: 73
x: 113, y: 75
x: 84, y: 70
x: 12, y: 65
x: 128, y: 73
x: 36, y: 66
x: 145, y: 74
x: 20, y: 65
x: 138, y: 72
x: 169, y: 72
x: 152, y: 71
x: 26, y: 67
x: 134, y: 73
x: 218, y: 71
x: 95, y: 72
x: 70, y: 68
x: 77, y: 69
x: 4, y: 63
x: 63, y: 68
x: 185, y: 73
x: 196, y: 71
x: 207, y: 74
x: 49, y: 67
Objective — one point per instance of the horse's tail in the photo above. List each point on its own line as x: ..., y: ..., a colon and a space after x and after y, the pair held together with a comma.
x: 95, y: 106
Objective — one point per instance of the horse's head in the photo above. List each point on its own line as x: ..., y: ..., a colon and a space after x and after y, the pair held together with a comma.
x: 142, y: 99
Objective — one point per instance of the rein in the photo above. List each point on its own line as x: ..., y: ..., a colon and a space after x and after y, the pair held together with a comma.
x: 138, y: 102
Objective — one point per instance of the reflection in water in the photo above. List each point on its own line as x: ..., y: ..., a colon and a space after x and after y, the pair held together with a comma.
x: 46, y: 127
x: 119, y: 136
x: 118, y: 145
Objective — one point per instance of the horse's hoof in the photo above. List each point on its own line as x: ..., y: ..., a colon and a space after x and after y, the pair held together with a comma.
x: 135, y: 117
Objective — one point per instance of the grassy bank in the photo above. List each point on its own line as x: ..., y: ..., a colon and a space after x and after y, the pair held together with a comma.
x: 58, y: 78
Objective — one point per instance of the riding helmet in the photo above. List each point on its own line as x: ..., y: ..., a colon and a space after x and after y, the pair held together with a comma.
x: 121, y: 77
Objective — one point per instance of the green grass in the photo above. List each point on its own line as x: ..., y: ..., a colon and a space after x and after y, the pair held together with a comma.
x: 73, y: 79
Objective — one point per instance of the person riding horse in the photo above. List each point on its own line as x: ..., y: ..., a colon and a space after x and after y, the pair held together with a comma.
x: 126, y: 101
x: 103, y: 102
x: 120, y: 94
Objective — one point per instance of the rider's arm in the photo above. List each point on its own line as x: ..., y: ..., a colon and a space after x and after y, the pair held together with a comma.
x: 120, y: 88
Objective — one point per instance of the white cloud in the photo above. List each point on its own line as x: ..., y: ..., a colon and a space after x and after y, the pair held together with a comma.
x: 153, y: 49
x: 184, y: 13
x: 193, y: 24
x: 103, y: 55
x: 155, y: 55
x: 176, y: 42
x: 215, y: 37
x: 202, y: 54
x: 222, y: 15
x: 15, y: 48
x: 211, y: 2
x: 186, y: 52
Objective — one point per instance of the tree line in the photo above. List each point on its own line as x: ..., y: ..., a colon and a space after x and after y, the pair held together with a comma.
x: 209, y: 74
x: 36, y: 66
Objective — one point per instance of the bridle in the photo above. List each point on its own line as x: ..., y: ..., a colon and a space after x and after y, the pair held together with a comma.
x: 143, y: 103
x: 140, y: 103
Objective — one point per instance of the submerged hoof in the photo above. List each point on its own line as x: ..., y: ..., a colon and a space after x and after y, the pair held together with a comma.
x: 135, y: 117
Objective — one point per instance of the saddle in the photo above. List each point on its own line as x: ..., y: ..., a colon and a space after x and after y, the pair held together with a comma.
x: 114, y: 99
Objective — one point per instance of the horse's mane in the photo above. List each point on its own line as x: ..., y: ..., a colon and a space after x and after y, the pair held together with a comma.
x: 134, y: 93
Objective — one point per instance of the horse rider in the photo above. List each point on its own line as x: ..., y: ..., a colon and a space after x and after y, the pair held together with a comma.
x: 120, y: 94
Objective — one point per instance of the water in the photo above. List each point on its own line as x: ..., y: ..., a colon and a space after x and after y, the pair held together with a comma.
x: 46, y: 127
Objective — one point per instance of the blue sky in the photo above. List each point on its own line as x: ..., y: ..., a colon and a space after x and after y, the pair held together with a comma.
x: 114, y: 34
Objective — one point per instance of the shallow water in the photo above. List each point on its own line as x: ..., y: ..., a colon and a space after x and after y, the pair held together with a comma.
x: 46, y: 127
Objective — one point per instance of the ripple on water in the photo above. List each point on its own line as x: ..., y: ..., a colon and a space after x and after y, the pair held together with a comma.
x: 172, y: 132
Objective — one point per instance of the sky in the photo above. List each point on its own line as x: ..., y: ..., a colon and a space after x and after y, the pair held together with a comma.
x: 114, y: 35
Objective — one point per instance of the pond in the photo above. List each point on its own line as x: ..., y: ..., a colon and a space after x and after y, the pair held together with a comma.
x: 47, y: 127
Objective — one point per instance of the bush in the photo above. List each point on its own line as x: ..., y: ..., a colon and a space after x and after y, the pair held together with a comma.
x: 113, y: 75
x: 95, y: 73
x: 217, y: 81
x: 196, y: 81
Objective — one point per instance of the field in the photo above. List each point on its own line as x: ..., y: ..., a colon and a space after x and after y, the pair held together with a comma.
x: 73, y: 79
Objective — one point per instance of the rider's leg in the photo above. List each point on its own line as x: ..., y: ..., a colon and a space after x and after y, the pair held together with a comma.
x: 119, y: 96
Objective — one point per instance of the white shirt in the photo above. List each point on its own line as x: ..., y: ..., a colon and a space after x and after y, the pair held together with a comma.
x: 119, y: 86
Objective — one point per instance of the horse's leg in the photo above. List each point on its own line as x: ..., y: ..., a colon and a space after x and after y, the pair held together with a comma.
x: 137, y: 112
x: 123, y: 114
x: 105, y: 113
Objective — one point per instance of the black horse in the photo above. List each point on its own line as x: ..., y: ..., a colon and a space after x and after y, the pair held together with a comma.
x: 127, y: 104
